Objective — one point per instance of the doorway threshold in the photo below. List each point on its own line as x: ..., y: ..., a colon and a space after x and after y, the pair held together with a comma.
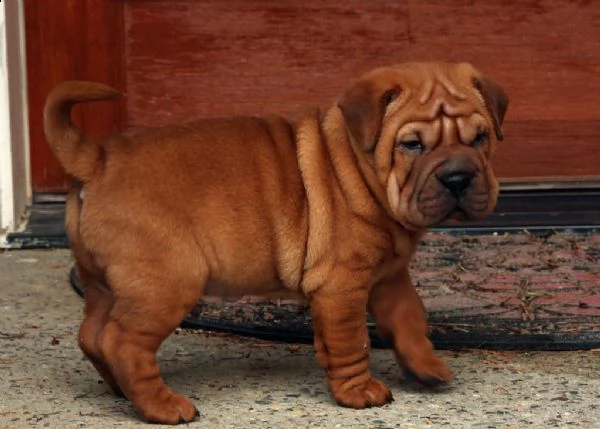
x: 45, y: 227
x: 538, y: 211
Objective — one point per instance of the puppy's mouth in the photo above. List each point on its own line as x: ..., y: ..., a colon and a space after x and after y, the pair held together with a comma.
x: 457, y: 215
x: 453, y: 189
x: 456, y: 197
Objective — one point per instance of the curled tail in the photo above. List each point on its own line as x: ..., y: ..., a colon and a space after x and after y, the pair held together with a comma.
x: 79, y: 155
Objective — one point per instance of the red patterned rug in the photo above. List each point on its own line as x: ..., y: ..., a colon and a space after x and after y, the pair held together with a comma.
x: 507, y: 291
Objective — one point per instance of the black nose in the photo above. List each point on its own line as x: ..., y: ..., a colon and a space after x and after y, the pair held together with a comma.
x: 456, y: 182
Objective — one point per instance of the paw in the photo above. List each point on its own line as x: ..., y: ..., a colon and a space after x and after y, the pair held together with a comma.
x: 373, y: 393
x: 430, y: 371
x: 175, y: 410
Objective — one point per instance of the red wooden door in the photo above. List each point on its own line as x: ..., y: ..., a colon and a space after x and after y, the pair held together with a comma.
x: 71, y: 39
x: 189, y: 58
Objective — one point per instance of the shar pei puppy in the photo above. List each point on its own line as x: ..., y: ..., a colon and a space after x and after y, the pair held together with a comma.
x: 327, y: 205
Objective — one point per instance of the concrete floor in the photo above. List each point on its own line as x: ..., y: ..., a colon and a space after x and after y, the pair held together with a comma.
x: 239, y: 382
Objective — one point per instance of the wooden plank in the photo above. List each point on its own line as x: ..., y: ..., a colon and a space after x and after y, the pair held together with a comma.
x: 187, y: 59
x: 251, y: 57
x: 71, y: 39
x: 549, y: 149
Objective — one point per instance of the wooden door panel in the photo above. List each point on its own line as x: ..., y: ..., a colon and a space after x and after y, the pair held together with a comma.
x: 182, y: 59
x: 71, y: 39
x: 253, y: 57
x: 549, y: 149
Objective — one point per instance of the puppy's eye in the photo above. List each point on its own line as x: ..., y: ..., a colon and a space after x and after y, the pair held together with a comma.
x: 411, y: 145
x: 480, y: 139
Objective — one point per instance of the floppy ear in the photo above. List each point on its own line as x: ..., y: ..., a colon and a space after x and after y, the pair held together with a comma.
x: 363, y: 107
x: 495, y: 99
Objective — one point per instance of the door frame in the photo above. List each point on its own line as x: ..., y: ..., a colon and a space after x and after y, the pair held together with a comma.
x: 15, y: 172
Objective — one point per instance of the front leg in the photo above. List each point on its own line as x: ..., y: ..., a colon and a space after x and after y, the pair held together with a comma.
x: 342, y: 345
x: 401, y: 318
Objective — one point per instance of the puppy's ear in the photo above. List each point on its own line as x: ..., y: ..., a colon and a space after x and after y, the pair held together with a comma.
x: 363, y: 107
x: 495, y: 99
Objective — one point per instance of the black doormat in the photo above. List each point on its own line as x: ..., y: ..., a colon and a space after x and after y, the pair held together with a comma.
x: 514, y: 291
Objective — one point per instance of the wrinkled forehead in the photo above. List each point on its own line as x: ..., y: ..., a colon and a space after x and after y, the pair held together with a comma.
x: 431, y: 92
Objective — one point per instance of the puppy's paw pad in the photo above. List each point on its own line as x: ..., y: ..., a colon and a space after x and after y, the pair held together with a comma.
x: 175, y: 410
x: 370, y: 394
x: 431, y: 372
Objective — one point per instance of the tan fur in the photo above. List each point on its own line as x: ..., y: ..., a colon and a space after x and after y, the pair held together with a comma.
x: 325, y: 206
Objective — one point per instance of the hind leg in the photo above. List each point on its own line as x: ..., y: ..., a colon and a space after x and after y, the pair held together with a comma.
x: 98, y: 303
x: 149, y: 303
x: 98, y: 298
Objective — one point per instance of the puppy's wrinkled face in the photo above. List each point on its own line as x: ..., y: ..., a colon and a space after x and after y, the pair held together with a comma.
x: 428, y: 132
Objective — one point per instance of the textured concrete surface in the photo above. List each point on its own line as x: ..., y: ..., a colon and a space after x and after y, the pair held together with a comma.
x: 240, y: 382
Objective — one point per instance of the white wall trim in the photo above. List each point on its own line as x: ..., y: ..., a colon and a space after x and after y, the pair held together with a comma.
x: 15, y: 174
